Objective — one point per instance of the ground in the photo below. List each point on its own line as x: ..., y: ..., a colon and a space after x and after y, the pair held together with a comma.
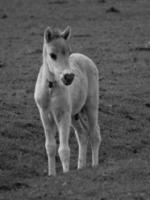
x: 115, y: 34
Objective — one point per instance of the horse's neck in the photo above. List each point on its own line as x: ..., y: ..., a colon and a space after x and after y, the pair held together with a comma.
x: 47, y: 73
x: 44, y: 55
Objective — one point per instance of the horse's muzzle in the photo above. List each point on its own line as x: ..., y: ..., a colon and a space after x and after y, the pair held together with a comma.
x: 68, y: 78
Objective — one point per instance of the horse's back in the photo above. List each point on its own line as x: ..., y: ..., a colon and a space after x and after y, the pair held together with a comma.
x: 88, y: 69
x: 84, y: 63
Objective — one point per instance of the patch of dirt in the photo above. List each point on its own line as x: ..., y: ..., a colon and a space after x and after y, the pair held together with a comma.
x: 116, y: 42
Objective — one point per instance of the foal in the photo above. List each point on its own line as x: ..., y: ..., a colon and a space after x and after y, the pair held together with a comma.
x: 67, y: 94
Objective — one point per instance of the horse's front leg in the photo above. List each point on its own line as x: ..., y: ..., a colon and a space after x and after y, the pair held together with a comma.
x: 63, y: 120
x: 50, y: 143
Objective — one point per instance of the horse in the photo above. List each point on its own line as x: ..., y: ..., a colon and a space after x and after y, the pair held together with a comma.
x: 67, y: 95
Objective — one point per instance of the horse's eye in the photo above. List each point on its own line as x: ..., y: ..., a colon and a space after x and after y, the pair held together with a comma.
x: 53, y: 56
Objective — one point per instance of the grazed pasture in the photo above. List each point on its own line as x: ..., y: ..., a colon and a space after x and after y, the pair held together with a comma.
x: 115, y: 35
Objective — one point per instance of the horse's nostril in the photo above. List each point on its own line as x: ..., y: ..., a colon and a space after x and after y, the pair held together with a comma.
x: 68, y: 78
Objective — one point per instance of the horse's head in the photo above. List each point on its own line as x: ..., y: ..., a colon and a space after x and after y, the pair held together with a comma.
x: 56, y: 53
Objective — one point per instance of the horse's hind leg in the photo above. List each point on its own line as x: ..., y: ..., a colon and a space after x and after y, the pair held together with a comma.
x: 94, y: 133
x: 82, y: 139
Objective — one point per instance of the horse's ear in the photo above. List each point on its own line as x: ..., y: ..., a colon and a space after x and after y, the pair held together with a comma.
x: 66, y: 33
x: 48, y: 34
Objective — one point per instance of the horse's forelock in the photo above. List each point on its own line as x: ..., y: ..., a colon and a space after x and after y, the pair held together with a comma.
x: 56, y: 33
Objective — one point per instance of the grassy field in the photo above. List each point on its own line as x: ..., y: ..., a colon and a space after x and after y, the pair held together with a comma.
x: 115, y: 34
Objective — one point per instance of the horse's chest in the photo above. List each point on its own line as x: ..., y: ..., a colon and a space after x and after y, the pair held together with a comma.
x: 70, y: 98
x: 58, y: 99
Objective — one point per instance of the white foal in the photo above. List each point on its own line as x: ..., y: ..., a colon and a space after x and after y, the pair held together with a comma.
x: 67, y: 94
